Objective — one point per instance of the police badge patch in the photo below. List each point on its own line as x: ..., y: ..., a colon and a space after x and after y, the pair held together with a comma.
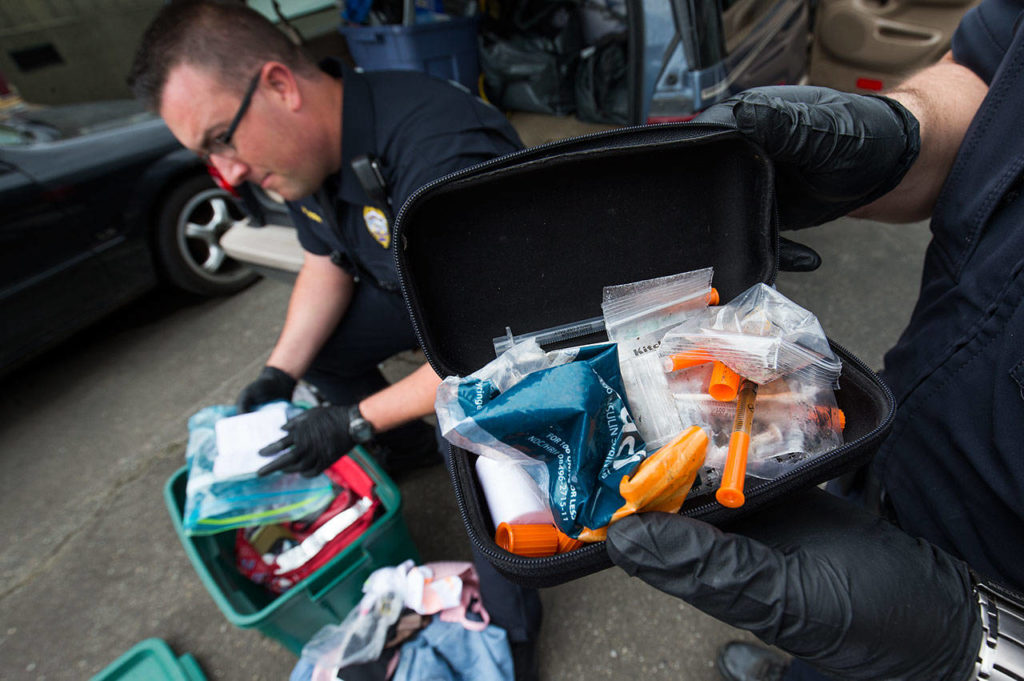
x: 377, y: 225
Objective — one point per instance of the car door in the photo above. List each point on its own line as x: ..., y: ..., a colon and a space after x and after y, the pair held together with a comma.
x: 697, y: 52
x: 872, y: 45
x: 766, y: 42
x: 50, y: 281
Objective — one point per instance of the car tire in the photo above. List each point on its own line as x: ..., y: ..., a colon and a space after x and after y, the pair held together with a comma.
x: 190, y: 221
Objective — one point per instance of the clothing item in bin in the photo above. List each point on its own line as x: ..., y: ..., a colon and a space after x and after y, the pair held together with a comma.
x: 448, y: 589
x: 571, y: 417
x: 218, y: 504
x: 447, y: 652
x: 380, y: 669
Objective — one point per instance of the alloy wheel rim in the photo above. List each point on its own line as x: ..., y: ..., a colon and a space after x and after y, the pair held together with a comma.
x: 201, y: 224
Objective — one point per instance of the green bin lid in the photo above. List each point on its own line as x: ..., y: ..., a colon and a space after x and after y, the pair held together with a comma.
x: 152, y: 660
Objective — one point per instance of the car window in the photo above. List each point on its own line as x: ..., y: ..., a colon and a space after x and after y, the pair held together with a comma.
x: 84, y: 119
x: 739, y: 17
x: 52, y: 123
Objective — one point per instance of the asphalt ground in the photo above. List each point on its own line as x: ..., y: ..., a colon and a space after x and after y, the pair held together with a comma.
x: 90, y: 433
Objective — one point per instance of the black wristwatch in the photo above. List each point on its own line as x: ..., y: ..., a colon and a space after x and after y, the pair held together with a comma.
x: 359, y: 428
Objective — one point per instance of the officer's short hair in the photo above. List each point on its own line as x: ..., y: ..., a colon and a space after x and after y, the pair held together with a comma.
x: 227, y: 38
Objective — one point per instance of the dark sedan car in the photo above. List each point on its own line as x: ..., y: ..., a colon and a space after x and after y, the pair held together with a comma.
x: 99, y: 203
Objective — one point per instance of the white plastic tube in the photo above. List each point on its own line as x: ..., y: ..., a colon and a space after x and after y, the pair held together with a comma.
x: 512, y: 495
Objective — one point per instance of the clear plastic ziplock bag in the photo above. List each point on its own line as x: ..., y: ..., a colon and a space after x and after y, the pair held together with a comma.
x: 762, y: 336
x: 358, y: 639
x: 214, y: 503
x: 636, y: 317
x: 794, y: 422
x: 561, y: 415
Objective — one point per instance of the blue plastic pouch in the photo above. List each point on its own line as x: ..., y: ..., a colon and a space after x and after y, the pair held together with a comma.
x: 213, y: 506
x: 571, y: 417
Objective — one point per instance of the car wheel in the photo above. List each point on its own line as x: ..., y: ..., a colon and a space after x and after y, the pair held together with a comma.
x: 191, y: 220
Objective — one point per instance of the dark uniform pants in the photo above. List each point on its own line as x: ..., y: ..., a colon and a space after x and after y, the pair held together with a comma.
x: 375, y: 327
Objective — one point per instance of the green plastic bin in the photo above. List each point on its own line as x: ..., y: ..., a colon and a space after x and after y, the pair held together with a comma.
x: 325, y: 597
x: 152, y: 660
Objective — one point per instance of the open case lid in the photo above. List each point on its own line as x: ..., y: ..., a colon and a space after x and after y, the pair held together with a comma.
x: 529, y: 241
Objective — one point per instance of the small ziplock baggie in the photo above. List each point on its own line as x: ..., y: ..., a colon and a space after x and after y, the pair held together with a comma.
x: 217, y: 503
x: 528, y: 242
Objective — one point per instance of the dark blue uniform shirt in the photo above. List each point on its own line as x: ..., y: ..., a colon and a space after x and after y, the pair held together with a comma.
x: 420, y: 128
x: 953, y: 468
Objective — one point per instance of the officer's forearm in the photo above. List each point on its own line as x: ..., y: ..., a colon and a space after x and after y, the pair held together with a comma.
x: 408, y: 399
x: 319, y: 299
x: 944, y: 98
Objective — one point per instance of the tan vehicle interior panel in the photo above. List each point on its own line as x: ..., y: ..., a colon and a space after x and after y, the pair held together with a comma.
x: 867, y: 45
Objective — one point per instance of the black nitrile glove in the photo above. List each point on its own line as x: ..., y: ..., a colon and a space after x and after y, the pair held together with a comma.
x: 272, y: 384
x: 833, y: 151
x: 317, y: 438
x: 820, y: 578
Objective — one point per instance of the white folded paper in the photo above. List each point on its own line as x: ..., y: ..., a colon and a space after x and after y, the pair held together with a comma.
x: 240, y: 438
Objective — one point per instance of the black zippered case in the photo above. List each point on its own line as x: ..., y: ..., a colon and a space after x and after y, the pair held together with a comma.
x: 529, y: 240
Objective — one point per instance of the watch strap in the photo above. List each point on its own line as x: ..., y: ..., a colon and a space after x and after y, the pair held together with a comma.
x: 360, y: 430
x: 1001, y: 656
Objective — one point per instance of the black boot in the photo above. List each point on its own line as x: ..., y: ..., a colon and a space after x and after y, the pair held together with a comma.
x: 406, y: 448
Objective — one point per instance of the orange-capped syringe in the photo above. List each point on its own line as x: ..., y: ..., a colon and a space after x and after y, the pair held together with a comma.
x: 685, y: 360
x: 730, y: 492
x: 724, y: 383
x: 534, y: 540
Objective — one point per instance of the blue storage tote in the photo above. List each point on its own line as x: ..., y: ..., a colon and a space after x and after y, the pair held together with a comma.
x: 325, y: 597
x: 444, y: 48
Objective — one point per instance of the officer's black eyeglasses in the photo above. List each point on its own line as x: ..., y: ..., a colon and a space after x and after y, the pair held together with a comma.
x: 221, y: 144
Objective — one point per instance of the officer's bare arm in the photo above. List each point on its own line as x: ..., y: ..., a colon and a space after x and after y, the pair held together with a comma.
x: 319, y: 300
x: 407, y: 399
x: 944, y: 98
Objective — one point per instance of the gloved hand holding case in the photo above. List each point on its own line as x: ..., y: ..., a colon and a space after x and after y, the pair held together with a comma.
x: 528, y: 241
x: 820, y: 578
x: 833, y: 151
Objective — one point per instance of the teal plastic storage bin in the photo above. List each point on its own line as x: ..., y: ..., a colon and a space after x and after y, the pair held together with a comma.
x: 152, y: 660
x: 446, y: 49
x: 325, y: 597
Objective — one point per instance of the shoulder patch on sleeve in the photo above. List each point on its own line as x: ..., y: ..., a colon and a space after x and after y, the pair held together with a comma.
x: 311, y: 215
x: 377, y: 225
